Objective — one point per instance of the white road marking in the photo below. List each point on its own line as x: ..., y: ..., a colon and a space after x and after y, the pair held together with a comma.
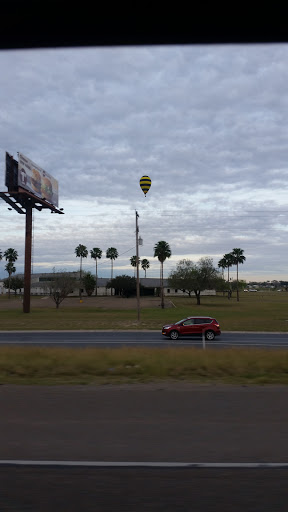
x: 117, y: 464
x: 145, y: 343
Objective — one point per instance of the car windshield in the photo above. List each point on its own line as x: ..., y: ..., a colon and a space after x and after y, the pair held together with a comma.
x: 180, y: 321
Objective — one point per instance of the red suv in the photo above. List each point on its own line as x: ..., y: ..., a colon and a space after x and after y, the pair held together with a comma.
x: 193, y: 325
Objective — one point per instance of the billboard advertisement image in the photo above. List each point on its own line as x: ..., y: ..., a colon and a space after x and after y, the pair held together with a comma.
x: 36, y: 180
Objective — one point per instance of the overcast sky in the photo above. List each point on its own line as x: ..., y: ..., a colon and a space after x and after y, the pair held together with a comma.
x: 208, y: 124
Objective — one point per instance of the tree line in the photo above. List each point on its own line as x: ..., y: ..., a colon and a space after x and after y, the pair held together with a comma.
x: 188, y: 276
x: 88, y: 281
x: 236, y: 257
x: 62, y: 283
x: 194, y: 278
x: 81, y: 252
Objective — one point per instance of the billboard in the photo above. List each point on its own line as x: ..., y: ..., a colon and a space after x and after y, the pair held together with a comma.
x: 11, y: 176
x: 36, y: 180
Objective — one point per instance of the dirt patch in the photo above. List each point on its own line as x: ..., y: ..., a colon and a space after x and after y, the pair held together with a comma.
x: 93, y: 302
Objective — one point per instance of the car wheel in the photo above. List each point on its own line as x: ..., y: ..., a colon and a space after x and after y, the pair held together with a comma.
x: 209, y: 335
x: 174, y: 335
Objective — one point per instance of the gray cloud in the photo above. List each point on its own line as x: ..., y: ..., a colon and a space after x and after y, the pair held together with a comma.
x: 207, y: 124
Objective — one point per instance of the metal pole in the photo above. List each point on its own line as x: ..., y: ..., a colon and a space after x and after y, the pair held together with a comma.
x: 203, y: 340
x: 162, y: 287
x: 28, y: 252
x: 137, y: 268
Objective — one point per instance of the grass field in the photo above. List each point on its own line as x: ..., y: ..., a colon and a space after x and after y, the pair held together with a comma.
x: 267, y: 311
x: 254, y: 312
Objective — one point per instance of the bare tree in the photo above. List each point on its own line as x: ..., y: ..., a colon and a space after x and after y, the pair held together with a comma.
x: 60, y: 286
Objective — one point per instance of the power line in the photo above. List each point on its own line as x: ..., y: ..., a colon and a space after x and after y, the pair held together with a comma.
x: 102, y: 263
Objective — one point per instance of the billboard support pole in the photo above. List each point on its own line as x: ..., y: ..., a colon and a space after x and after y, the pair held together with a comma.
x: 28, y: 254
x: 23, y: 200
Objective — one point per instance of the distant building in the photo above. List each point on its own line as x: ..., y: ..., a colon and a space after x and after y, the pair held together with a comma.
x: 148, y: 286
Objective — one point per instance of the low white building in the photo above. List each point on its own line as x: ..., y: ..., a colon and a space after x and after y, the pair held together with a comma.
x: 150, y: 283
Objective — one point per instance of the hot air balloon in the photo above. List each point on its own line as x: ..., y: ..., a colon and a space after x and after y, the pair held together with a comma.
x: 145, y: 184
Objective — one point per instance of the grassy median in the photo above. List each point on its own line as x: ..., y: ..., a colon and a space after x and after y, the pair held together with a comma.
x: 24, y: 365
x: 255, y: 312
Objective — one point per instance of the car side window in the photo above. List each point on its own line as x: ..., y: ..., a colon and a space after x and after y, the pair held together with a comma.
x: 189, y: 322
x: 202, y: 320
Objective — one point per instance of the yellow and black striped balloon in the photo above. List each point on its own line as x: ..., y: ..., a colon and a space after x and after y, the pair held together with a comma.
x: 145, y: 184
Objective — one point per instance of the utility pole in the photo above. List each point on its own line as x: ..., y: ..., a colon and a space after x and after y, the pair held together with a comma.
x: 137, y: 268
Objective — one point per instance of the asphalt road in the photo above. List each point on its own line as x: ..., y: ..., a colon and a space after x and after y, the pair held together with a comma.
x: 166, y: 423
x: 132, y: 423
x: 145, y: 422
x: 106, y: 490
x: 113, y: 339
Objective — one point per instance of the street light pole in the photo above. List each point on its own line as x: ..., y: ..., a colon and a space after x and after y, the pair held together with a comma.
x: 137, y: 269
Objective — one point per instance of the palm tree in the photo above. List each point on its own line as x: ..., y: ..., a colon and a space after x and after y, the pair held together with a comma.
x: 112, y: 254
x: 145, y: 265
x: 11, y: 256
x: 10, y: 269
x: 162, y: 251
x: 96, y: 254
x: 222, y: 264
x: 238, y: 257
x: 133, y: 261
x: 81, y: 251
x: 229, y: 262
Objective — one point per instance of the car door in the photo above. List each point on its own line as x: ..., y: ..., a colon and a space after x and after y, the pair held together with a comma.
x: 187, y: 327
x: 201, y: 324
